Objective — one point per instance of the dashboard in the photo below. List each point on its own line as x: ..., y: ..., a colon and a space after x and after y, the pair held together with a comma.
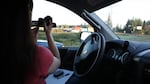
x: 127, y: 51
x: 133, y: 56
x: 118, y: 52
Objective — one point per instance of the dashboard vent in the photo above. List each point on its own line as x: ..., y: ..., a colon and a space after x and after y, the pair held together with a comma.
x: 147, y: 69
x: 146, y: 74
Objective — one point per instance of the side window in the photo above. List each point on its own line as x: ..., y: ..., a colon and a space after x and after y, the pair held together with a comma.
x: 69, y: 25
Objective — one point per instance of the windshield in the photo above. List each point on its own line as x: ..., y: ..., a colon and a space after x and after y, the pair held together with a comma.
x: 129, y: 19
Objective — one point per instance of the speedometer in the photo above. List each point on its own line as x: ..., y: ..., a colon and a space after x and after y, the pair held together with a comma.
x: 125, y: 57
x: 111, y: 53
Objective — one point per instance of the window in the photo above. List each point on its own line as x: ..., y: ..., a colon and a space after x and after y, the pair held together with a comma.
x: 129, y: 19
x: 69, y: 25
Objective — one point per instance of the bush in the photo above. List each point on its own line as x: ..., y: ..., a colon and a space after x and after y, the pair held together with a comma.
x: 147, y: 30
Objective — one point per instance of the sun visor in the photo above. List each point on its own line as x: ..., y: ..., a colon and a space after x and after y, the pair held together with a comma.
x: 79, y: 5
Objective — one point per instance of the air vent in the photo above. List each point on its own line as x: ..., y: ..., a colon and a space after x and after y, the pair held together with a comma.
x: 146, y: 74
x: 147, y: 69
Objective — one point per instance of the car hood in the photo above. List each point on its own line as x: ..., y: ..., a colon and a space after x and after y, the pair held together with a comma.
x: 79, y: 5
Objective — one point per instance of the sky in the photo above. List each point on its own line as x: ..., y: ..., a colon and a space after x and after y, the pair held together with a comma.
x: 120, y: 12
x: 127, y: 9
x: 42, y: 8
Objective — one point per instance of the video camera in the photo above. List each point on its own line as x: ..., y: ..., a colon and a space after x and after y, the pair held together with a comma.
x: 40, y: 22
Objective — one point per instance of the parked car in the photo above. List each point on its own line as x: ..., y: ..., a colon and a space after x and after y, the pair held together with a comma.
x: 44, y: 43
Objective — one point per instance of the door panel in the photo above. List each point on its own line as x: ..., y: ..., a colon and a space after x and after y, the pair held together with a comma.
x: 67, y: 57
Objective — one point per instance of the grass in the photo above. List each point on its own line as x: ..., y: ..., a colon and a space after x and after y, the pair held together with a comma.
x: 73, y: 39
x: 67, y: 38
x: 134, y: 37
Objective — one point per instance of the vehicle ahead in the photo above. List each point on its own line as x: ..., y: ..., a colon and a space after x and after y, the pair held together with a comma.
x: 102, y: 57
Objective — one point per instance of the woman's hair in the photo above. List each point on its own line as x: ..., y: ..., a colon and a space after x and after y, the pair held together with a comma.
x: 21, y: 45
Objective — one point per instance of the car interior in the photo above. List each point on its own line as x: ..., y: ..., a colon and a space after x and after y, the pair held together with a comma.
x: 102, y: 57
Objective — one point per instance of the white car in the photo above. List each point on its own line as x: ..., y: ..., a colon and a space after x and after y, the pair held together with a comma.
x: 44, y: 43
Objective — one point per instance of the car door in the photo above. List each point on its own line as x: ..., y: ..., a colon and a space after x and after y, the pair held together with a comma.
x: 69, y: 34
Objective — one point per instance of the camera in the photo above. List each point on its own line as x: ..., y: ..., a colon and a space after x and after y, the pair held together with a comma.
x: 40, y: 22
x: 48, y: 20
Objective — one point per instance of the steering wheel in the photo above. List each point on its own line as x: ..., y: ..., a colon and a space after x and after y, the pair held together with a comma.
x: 89, y: 54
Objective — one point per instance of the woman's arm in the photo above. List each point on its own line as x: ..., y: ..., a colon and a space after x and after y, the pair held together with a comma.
x: 52, y: 47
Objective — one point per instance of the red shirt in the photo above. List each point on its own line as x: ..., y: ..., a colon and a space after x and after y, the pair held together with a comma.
x: 44, y: 59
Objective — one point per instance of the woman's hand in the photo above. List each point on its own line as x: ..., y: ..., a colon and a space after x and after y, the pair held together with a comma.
x: 48, y: 25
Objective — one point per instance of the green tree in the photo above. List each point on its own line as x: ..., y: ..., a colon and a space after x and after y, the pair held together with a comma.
x: 118, y: 29
x: 147, y: 28
x: 128, y: 26
x: 132, y: 24
x: 148, y: 22
x: 137, y: 22
x: 143, y: 26
x: 109, y: 21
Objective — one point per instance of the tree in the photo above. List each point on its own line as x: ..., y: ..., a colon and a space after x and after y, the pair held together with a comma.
x: 132, y: 24
x: 128, y: 27
x: 109, y: 21
x: 148, y: 22
x: 118, y: 29
x: 147, y: 28
x: 143, y: 27
x: 137, y: 22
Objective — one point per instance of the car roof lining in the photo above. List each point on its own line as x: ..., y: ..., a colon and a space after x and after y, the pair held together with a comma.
x: 79, y: 5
